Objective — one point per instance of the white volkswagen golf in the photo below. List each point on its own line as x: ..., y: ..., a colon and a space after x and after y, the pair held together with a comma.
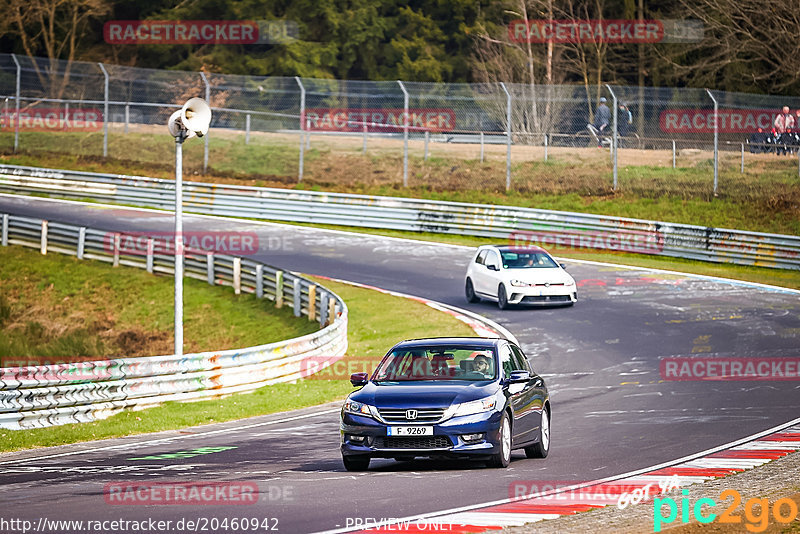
x: 526, y: 275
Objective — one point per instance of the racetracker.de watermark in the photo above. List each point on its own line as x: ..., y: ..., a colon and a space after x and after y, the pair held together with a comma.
x: 54, y: 119
x: 335, y: 367
x: 562, y: 491
x: 635, y: 241
x: 701, y: 368
x: 605, y: 31
x: 199, y: 31
x: 233, y: 243
x: 379, y: 119
x: 189, y: 493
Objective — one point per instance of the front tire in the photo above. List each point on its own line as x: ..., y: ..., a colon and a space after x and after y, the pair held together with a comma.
x: 502, y: 458
x: 356, y: 463
x: 540, y: 450
x: 469, y: 291
x: 502, y: 298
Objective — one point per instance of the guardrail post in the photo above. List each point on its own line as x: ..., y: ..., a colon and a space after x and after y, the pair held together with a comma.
x: 43, y: 242
x: 149, y: 254
x: 278, y: 289
x: 405, y: 133
x: 105, y: 110
x: 16, y: 102
x: 302, y: 126
x: 116, y: 250
x: 259, y: 281
x: 323, y: 308
x: 5, y: 230
x: 312, y: 302
x: 81, y: 242
x: 247, y: 129
x: 210, y: 268
x: 331, y: 311
x: 508, y: 136
x: 716, y: 140
x: 237, y: 276
x: 208, y: 100
x: 297, y: 298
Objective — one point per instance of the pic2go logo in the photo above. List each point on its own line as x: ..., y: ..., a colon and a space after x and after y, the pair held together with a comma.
x: 783, y: 511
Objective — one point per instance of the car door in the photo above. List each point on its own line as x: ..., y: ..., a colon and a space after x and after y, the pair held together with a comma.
x: 519, y: 397
x: 490, y: 277
x: 535, y: 394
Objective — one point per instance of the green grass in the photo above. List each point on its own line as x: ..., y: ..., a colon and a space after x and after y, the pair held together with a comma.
x: 376, y: 322
x: 56, y: 307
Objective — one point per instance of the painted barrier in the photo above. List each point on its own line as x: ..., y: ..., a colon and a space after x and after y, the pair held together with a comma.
x: 514, y: 225
x: 39, y: 396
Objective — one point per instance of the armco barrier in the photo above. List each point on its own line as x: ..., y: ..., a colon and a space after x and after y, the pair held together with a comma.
x: 48, y: 395
x: 514, y: 224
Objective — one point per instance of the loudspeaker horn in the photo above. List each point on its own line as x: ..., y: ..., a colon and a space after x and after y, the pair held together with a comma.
x: 196, y: 116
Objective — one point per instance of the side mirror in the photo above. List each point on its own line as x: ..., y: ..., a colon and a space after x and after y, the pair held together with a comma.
x: 359, y: 379
x: 518, y: 377
x: 493, y: 267
x: 563, y: 266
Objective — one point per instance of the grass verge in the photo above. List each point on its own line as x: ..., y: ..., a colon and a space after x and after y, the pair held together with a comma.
x: 377, y: 321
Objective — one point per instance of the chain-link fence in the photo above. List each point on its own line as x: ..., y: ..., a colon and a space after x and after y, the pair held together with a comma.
x: 338, y: 133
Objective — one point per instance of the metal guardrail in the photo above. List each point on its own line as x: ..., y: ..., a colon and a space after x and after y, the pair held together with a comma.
x: 521, y: 226
x: 38, y: 396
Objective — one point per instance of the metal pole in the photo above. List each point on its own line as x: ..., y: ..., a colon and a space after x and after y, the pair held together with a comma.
x: 405, y: 133
x: 614, y: 138
x: 673, y: 153
x: 302, y: 125
x: 364, y: 148
x: 205, y: 137
x: 16, y: 117
x: 308, y: 133
x: 481, y: 147
x: 427, y: 138
x: 742, y: 170
x: 247, y: 129
x: 179, y: 244
x: 105, y: 110
x: 508, y: 136
x: 127, y: 116
x: 545, y: 147
x: 716, y: 141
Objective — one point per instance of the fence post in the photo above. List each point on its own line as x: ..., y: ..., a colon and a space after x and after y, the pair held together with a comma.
x: 278, y: 289
x: 105, y: 109
x: 5, y: 230
x: 331, y: 311
x: 210, y: 268
x: 508, y: 136
x: 247, y: 129
x: 673, y: 153
x: 716, y: 140
x: 297, y: 297
x: 405, y: 133
x: 127, y: 115
x: 16, y: 100
x: 208, y: 101
x: 614, y: 138
x: 116, y: 250
x: 742, y: 169
x: 302, y: 125
x: 237, y: 276
x: 364, y: 148
x: 81, y: 242
x: 427, y: 138
x: 323, y: 309
x: 481, y: 147
x: 43, y: 241
x: 308, y: 133
x: 149, y: 254
x: 545, y: 147
x: 312, y: 302
x: 259, y: 281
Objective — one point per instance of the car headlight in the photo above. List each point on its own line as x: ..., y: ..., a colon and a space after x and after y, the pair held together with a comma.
x: 519, y: 283
x: 473, y: 407
x: 569, y: 283
x: 358, y: 408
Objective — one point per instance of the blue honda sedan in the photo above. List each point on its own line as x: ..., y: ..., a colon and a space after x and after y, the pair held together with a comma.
x: 472, y: 398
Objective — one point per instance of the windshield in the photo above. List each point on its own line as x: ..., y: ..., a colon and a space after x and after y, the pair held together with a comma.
x: 437, y: 363
x: 527, y: 260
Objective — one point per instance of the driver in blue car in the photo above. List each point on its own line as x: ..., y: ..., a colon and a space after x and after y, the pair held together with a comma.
x: 482, y: 364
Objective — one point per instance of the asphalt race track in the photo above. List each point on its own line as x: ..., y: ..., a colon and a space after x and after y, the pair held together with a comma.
x: 612, y: 412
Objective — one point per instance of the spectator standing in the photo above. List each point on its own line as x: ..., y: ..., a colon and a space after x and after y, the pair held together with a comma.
x: 784, y: 123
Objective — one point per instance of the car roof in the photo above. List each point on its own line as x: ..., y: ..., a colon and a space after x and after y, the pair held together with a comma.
x: 516, y: 248
x: 487, y: 342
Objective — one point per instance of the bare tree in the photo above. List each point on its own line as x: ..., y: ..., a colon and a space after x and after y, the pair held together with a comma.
x: 51, y: 27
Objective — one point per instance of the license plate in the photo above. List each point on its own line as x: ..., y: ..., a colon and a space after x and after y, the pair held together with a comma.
x: 410, y: 431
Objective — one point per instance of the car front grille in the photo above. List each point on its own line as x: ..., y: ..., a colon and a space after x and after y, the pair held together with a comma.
x: 413, y: 442
x: 546, y: 298
x: 423, y: 415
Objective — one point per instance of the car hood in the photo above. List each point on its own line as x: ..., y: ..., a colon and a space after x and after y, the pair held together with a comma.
x: 433, y: 394
x: 554, y: 275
